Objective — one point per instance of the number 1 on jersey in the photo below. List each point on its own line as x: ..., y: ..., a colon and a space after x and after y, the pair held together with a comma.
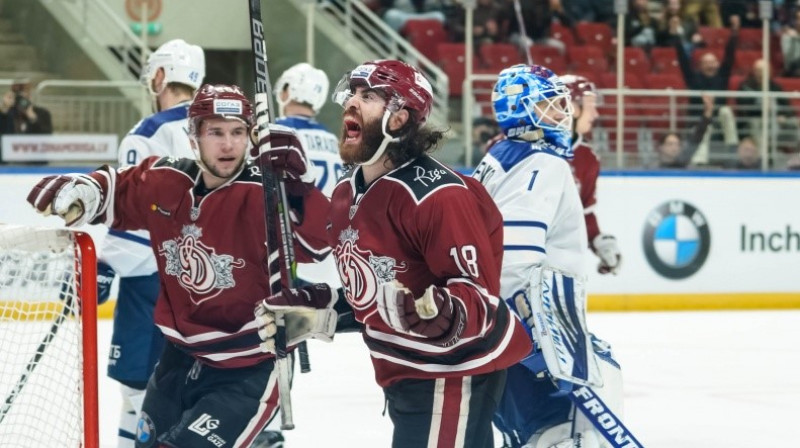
x: 533, y: 179
x: 469, y: 257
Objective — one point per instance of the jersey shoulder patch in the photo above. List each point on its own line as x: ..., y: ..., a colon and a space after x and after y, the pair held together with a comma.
x: 186, y: 166
x: 424, y: 176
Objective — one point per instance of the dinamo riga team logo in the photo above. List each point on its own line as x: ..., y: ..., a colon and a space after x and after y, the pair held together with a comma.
x: 676, y: 239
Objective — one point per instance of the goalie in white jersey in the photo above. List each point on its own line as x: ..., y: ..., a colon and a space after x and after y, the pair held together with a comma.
x: 172, y: 75
x: 530, y: 179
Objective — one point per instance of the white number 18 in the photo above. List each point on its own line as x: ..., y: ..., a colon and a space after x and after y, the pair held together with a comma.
x: 469, y: 257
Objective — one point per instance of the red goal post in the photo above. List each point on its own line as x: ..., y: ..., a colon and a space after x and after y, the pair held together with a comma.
x: 48, y: 338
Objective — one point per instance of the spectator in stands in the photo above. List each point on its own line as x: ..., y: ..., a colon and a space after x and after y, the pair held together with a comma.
x: 489, y: 25
x: 537, y: 16
x: 711, y: 76
x: 397, y: 12
x: 748, y: 155
x: 673, y: 151
x: 747, y: 10
x: 790, y: 47
x: 484, y: 130
x: 640, y: 26
x: 591, y: 11
x: 673, y: 23
x: 782, y: 117
x: 18, y: 115
x: 703, y: 12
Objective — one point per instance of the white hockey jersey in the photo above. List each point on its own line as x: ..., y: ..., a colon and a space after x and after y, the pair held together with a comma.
x: 165, y: 133
x: 542, y: 212
x: 322, y: 150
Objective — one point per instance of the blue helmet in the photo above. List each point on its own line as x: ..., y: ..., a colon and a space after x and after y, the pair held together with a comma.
x: 531, y: 102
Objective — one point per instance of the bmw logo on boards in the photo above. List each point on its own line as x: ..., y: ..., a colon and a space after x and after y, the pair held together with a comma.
x: 676, y: 239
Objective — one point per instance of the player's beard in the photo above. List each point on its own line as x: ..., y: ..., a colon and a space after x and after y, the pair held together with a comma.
x: 371, y: 138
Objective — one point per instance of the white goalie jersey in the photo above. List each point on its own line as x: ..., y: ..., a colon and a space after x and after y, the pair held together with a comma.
x: 165, y: 133
x: 542, y: 212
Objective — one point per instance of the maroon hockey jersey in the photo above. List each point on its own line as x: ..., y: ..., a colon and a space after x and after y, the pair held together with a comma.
x: 210, y: 251
x: 585, y: 168
x: 423, y: 224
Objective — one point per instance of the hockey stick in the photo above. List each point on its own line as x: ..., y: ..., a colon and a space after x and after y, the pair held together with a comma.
x: 281, y: 256
x: 523, y: 38
x: 51, y: 334
x: 603, y: 418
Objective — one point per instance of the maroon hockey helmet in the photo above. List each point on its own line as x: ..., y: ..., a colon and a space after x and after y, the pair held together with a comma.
x: 405, y: 87
x: 219, y: 101
x: 579, y: 86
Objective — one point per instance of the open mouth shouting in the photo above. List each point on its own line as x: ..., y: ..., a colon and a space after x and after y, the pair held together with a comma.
x: 352, y: 130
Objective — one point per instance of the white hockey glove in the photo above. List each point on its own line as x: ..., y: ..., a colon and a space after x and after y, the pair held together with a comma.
x: 605, y: 247
x: 435, y: 315
x: 73, y: 197
x: 308, y: 313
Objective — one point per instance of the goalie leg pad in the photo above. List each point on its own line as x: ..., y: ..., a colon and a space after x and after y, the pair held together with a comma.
x: 558, y: 305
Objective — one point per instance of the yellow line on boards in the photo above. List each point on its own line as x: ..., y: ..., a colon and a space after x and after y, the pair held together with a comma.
x: 693, y: 302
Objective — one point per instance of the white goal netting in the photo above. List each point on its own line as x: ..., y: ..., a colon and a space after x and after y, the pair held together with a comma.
x: 47, y: 378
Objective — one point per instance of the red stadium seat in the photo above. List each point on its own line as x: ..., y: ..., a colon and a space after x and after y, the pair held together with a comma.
x: 750, y: 39
x: 562, y: 33
x: 596, y: 34
x: 664, y: 60
x: 425, y: 36
x: 496, y: 57
x: 714, y: 37
x: 631, y: 81
x: 550, y: 57
x: 664, y: 81
x: 452, y: 61
x: 636, y: 61
x: 744, y: 61
x: 791, y: 85
x: 587, y: 58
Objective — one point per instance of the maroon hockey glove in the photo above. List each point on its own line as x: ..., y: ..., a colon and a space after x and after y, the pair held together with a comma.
x: 73, y: 197
x: 435, y: 315
x: 285, y: 155
x: 316, y: 296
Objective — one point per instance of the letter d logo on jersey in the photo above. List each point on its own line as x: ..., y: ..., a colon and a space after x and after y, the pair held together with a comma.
x: 204, y: 424
x: 676, y: 239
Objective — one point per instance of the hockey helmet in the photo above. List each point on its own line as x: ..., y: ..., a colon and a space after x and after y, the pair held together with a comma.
x: 219, y: 101
x: 403, y: 85
x: 579, y: 87
x: 182, y: 63
x: 305, y: 84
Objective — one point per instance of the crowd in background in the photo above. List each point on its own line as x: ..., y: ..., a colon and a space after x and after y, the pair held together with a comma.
x: 702, y: 61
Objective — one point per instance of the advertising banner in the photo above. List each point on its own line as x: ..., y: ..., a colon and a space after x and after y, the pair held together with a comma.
x: 59, y: 147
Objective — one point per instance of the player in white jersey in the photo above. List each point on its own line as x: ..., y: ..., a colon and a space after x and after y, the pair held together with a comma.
x: 301, y: 91
x: 529, y: 177
x: 172, y: 75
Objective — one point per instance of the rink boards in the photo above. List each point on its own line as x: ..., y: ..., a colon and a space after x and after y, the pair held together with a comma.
x: 689, y: 240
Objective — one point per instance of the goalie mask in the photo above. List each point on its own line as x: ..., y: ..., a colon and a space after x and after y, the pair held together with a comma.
x: 400, y: 84
x: 304, y: 84
x: 532, y: 103
x: 182, y: 63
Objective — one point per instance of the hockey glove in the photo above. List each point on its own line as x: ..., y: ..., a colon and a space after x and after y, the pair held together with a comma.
x: 285, y: 154
x: 73, y: 197
x: 605, y: 247
x: 308, y: 313
x: 435, y: 315
x: 105, y: 276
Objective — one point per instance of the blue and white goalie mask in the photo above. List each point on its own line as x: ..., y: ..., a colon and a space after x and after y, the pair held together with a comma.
x: 532, y: 103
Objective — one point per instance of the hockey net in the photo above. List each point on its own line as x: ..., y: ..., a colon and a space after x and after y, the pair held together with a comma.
x: 48, y: 338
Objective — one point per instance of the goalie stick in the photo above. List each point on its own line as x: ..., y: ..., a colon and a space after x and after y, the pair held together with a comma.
x: 281, y: 256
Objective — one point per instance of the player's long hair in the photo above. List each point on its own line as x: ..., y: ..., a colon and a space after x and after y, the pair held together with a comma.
x: 415, y: 140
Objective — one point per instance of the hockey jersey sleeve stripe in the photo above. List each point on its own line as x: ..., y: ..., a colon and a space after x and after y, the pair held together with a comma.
x: 538, y: 224
x: 129, y: 236
x: 525, y: 248
x: 524, y: 236
x: 589, y: 210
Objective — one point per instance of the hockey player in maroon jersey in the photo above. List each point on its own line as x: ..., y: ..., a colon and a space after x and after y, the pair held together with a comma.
x: 418, y: 248
x: 586, y: 168
x: 214, y: 385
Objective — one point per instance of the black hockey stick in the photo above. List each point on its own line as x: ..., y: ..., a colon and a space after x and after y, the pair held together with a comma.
x: 281, y: 255
x: 67, y: 299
